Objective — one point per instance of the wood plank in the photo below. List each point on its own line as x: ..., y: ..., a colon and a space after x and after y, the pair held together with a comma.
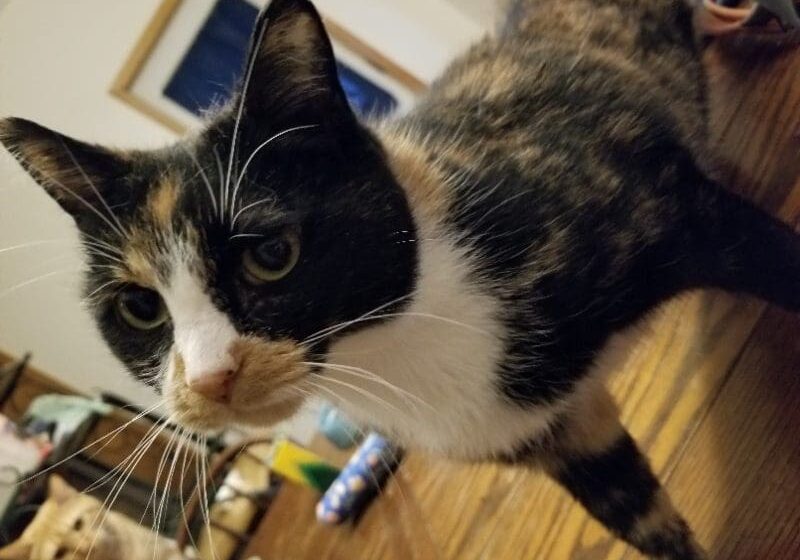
x: 746, y: 503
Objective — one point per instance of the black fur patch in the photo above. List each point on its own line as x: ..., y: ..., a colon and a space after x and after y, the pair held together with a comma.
x: 617, y: 486
x: 322, y: 174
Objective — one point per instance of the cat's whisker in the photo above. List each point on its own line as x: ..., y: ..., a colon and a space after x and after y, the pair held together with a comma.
x: 37, y: 243
x: 184, y: 467
x: 121, y: 467
x: 346, y: 401
x: 439, y: 318
x: 111, y: 434
x: 206, y: 180
x: 371, y: 350
x: 221, y: 183
x: 87, y: 239
x: 187, y: 447
x: 83, y: 201
x: 204, y: 470
x: 153, y: 497
x: 92, y: 186
x: 140, y: 451
x: 159, y: 503
x: 109, y: 475
x: 119, y: 485
x: 360, y: 391
x: 313, y: 337
x: 199, y: 484
x: 375, y: 378
x: 246, y: 236
x: 46, y: 264
x: 112, y: 267
x: 207, y: 464
x: 239, y: 112
x: 12, y: 289
x: 393, y: 315
x: 164, y: 504
x: 104, y: 249
x: 300, y: 392
x: 336, y: 397
x: 255, y: 152
x: 90, y: 206
x: 248, y: 207
x: 99, y: 253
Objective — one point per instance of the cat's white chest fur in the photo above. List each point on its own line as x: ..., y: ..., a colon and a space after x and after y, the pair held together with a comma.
x: 441, y: 356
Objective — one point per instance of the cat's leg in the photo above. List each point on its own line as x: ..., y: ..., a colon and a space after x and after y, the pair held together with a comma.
x: 739, y: 247
x: 597, y: 461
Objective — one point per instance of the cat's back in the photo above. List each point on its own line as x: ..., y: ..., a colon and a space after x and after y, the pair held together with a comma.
x: 587, y: 68
x: 562, y: 139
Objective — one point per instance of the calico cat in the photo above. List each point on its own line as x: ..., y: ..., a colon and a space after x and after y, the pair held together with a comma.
x: 65, y: 527
x: 454, y: 277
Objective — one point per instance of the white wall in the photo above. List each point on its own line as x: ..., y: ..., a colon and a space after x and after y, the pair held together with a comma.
x: 57, y: 61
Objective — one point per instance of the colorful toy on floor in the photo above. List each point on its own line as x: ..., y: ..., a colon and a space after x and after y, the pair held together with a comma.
x: 360, y: 481
x: 302, y: 466
x: 335, y: 426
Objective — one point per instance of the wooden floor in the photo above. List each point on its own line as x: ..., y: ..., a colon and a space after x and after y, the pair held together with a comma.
x: 712, y: 395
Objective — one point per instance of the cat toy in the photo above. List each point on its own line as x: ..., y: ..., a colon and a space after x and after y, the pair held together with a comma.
x: 301, y: 466
x: 337, y: 428
x: 360, y: 481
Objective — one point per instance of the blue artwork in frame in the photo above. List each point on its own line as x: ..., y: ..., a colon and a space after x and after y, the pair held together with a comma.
x: 214, y: 63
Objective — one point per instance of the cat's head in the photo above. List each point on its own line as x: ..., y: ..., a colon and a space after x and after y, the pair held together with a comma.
x: 217, y: 264
x: 65, y: 527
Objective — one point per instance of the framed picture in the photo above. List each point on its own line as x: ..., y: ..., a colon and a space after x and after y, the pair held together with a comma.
x: 192, y: 54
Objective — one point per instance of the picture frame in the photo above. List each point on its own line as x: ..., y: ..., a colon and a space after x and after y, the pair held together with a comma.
x: 175, y: 29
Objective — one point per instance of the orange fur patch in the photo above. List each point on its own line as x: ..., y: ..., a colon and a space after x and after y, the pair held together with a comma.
x: 138, y: 266
x: 162, y: 201
x: 595, y: 424
x: 260, y: 395
x: 425, y: 186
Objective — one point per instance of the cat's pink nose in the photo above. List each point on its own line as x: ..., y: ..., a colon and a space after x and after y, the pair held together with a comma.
x: 215, y: 385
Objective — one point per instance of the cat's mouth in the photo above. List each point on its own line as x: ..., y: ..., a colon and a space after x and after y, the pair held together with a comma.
x: 265, y: 392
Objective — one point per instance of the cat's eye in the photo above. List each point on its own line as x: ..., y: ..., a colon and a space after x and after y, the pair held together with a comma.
x: 78, y: 525
x: 61, y: 553
x: 273, y: 258
x: 141, y: 308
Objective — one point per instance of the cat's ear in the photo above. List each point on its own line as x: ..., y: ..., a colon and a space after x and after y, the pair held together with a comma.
x: 291, y: 71
x: 20, y: 550
x: 58, y: 490
x: 80, y: 177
